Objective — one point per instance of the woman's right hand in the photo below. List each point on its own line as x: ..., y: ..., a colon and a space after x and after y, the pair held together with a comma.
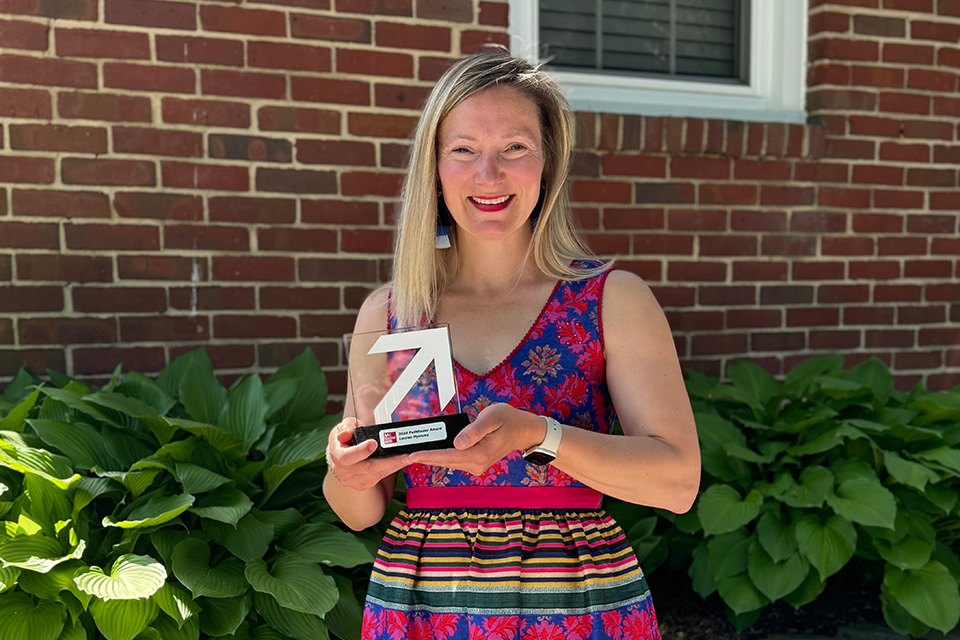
x: 352, y: 466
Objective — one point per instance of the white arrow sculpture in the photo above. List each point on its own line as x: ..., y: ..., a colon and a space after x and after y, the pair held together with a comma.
x: 433, y: 346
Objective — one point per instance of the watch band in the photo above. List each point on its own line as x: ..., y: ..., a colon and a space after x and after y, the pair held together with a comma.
x: 546, y: 451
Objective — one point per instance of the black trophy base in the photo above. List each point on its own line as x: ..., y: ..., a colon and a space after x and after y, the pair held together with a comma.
x: 407, y: 436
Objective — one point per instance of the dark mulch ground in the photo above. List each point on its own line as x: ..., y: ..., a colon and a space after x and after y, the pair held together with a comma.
x: 683, y: 615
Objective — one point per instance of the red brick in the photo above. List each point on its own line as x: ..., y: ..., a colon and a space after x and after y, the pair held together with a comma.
x: 665, y: 193
x: 248, y: 21
x: 930, y: 80
x: 145, y: 267
x: 66, y: 9
x: 104, y: 361
x: 159, y: 206
x: 213, y: 298
x: 781, y: 341
x: 831, y: 293
x: 298, y: 119
x: 431, y: 69
x: 633, y: 165
x: 151, y: 13
x: 746, y: 220
x: 890, y: 199
x: 162, y: 142
x: 904, y: 152
x: 848, y: 198
x: 66, y: 331
x: 204, y: 237
x: 821, y: 172
x: 336, y: 152
x: 339, y: 212
x: 114, y: 299
x: 817, y: 271
x: 874, y: 270
x: 409, y: 36
x: 925, y: 314
x: 728, y: 245
x: 727, y: 295
x: 829, y: 21
x: 383, y: 7
x: 877, y: 223
x: 927, y: 269
x: 25, y: 235
x: 788, y: 246
x: 164, y: 329
x: 153, y: 78
x: 331, y: 91
x: 841, y: 49
x: 847, y: 246
x: 26, y: 170
x: 878, y: 76
x: 326, y: 28
x: 253, y: 148
x: 813, y: 317
x: 199, y: 50
x: 60, y: 203
x: 949, y: 200
x: 877, y: 174
x: 25, y: 103
x: 188, y: 175
x: 754, y: 170
x: 943, y: 106
x: 64, y: 268
x: 894, y: 246
x: 380, y: 125
x: 58, y: 138
x: 948, y: 337
x: 846, y: 148
x: 206, y: 113
x: 366, y: 241
x: 253, y: 269
x: 278, y: 55
x: 300, y: 298
x: 376, y: 63
x: 297, y: 239
x: 19, y: 34
x: 818, y: 222
x: 48, y: 71
x: 472, y: 41
x: 726, y: 193
x: 942, y: 31
x: 791, y: 196
x: 225, y: 356
x: 633, y: 218
x: 927, y: 129
x: 948, y: 57
x: 760, y: 271
x: 718, y: 344
x: 927, y: 224
x: 701, y: 271
x: 295, y: 181
x: 932, y: 177
x: 27, y: 299
x: 905, y: 103
x: 834, y: 340
x: 943, y: 292
x: 90, y: 43
x: 695, y: 320
x: 243, y: 84
x: 700, y: 168
x: 877, y: 338
x: 925, y: 6
x: 948, y: 8
x: 253, y: 210
x: 494, y: 14
x: 879, y: 26
x: 875, y: 126
x: 446, y: 10
x: 601, y: 191
x: 918, y: 360
x: 361, y: 183
x: 339, y: 269
x: 111, y: 237
x: 103, y: 106
x: 258, y: 326
x: 108, y: 172
x: 908, y: 53
x: 697, y: 220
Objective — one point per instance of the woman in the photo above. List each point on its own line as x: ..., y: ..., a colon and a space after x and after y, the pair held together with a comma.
x: 503, y: 536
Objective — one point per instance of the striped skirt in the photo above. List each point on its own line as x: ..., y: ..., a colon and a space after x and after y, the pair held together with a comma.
x: 507, y: 574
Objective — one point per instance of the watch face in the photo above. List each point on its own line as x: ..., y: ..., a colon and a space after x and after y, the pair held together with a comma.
x: 539, y: 458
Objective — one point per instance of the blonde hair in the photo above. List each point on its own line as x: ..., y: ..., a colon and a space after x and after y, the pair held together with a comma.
x: 420, y: 271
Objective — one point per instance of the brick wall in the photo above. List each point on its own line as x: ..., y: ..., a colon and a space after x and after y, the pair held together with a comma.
x: 177, y: 173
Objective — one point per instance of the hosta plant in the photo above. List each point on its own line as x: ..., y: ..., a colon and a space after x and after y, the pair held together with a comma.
x: 172, y: 508
x: 806, y: 477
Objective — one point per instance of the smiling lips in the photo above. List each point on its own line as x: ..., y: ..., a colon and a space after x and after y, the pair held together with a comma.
x: 496, y: 203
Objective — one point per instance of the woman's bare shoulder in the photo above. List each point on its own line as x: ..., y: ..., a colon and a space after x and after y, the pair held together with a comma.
x: 373, y: 312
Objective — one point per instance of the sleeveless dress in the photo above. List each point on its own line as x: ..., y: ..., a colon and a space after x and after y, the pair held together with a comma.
x: 546, y: 563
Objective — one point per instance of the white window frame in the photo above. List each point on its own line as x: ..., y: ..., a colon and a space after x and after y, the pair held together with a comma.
x: 778, y: 63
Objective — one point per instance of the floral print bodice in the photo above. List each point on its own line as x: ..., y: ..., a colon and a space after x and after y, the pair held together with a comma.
x: 557, y: 370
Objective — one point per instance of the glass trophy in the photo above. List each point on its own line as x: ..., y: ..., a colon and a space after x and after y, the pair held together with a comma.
x: 403, y: 389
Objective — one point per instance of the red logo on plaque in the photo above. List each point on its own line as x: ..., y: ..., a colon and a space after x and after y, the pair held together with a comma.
x: 389, y: 437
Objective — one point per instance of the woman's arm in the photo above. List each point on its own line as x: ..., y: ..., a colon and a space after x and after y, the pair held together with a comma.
x: 357, y: 488
x: 657, y: 463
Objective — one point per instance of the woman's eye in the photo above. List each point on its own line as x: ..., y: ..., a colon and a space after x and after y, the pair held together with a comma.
x: 461, y: 150
x: 517, y: 147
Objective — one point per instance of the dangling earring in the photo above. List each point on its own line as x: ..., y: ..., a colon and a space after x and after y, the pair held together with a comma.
x: 443, y: 222
x: 537, y: 208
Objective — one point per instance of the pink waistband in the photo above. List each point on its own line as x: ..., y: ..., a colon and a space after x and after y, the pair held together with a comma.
x: 503, y: 497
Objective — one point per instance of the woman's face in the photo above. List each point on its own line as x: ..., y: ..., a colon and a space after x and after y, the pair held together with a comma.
x: 490, y: 162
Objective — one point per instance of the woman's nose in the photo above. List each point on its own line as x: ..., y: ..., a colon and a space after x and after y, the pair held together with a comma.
x: 488, y: 169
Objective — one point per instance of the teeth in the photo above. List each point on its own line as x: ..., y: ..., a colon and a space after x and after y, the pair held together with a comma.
x: 499, y: 200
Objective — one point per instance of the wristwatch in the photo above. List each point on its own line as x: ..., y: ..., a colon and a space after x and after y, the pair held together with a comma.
x: 546, y: 451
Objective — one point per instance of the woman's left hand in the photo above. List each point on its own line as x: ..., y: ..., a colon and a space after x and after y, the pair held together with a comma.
x: 498, y: 430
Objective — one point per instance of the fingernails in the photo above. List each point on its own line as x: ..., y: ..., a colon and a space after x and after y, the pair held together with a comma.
x: 459, y: 442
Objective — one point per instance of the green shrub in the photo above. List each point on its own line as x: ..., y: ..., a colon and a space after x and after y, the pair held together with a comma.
x: 802, y: 476
x: 173, y: 508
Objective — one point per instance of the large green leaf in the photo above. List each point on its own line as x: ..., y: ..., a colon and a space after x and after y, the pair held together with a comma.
x: 136, y: 385
x: 945, y: 458
x: 776, y: 579
x: 715, y: 432
x: 701, y: 576
x: 50, y: 584
x: 811, y: 489
x: 176, y: 602
x: 874, y: 374
x: 776, y: 537
x: 171, y: 377
x: 864, y: 501
x: 755, y: 382
x: 310, y: 401
x: 828, y: 546
x: 73, y: 630
x: 908, y: 553
x: 132, y: 577
x: 301, y: 626
x: 8, y: 577
x: 326, y: 544
x: 21, y: 619
x: 808, y: 591
x: 36, y: 552
x: 201, y: 394
x: 226, y: 504
x: 799, y: 378
x: 728, y: 552
x: 249, y: 540
x: 222, y: 616
x: 16, y: 417
x: 135, y: 481
x: 295, y: 451
x: 132, y: 407
x: 220, y: 439
x: 196, y: 479
x: 168, y: 629
x: 49, y: 503
x: 17, y: 455
x: 346, y: 618
x: 153, y: 511
x: 191, y: 566
x: 245, y: 412
x: 296, y: 583
x: 721, y: 509
x: 912, y: 474
x: 930, y: 594
x: 740, y: 594
x: 123, y: 619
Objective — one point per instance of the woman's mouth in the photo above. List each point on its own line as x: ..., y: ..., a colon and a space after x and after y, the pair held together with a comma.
x: 495, y: 203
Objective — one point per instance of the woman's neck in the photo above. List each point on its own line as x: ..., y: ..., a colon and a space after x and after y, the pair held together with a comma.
x: 495, y: 267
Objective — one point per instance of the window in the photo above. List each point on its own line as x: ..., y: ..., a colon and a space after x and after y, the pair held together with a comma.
x: 735, y: 59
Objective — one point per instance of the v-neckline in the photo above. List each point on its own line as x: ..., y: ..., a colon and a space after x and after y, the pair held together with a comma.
x: 516, y: 349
